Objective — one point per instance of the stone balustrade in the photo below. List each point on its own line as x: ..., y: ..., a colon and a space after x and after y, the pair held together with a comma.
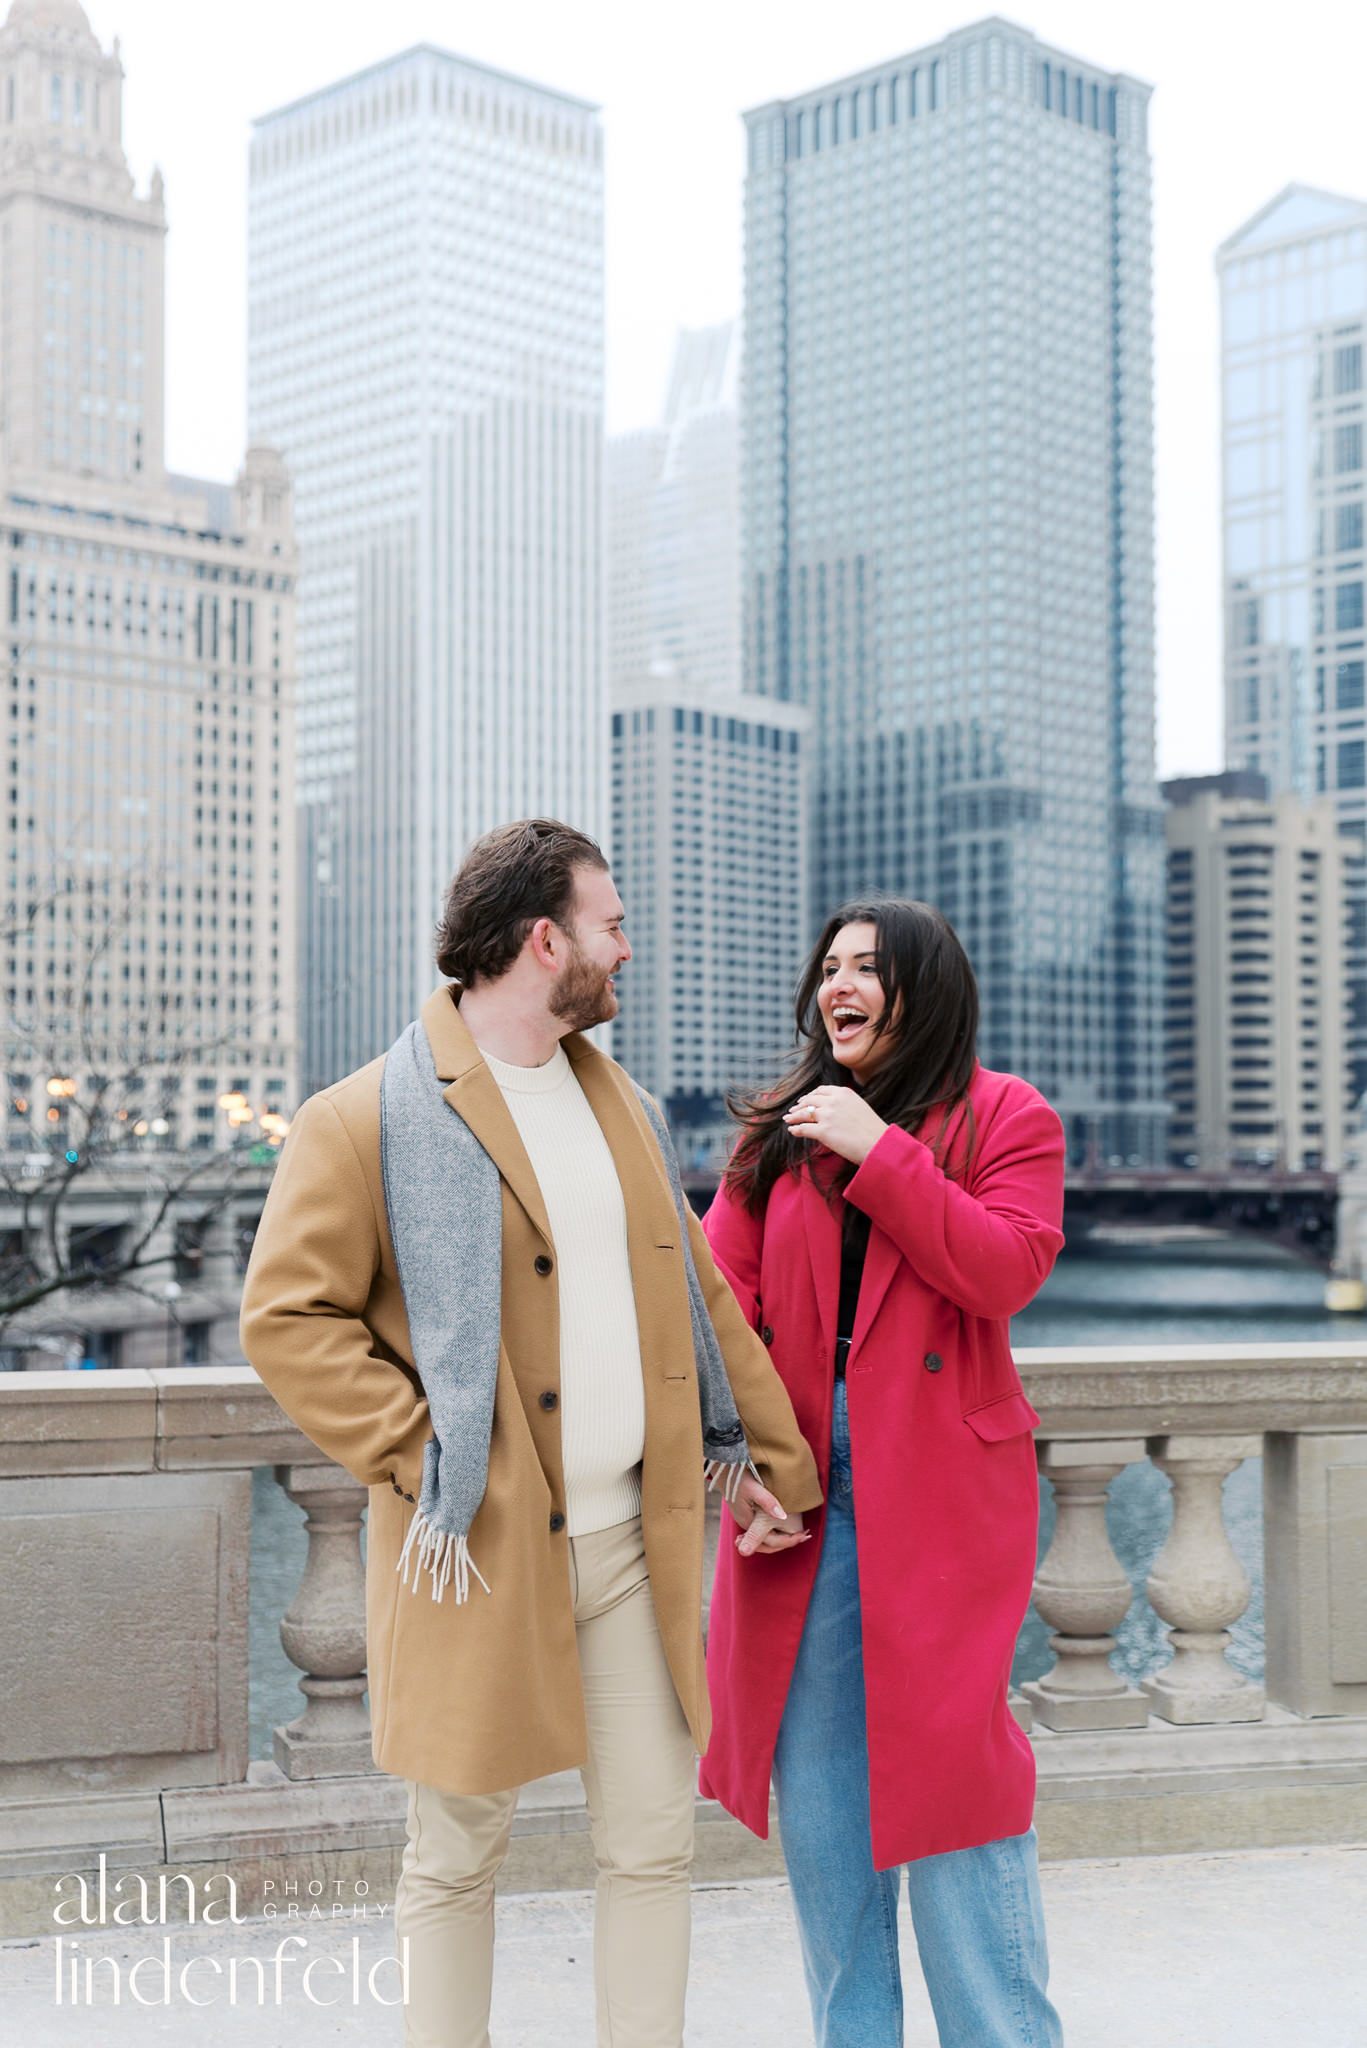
x: 124, y: 1544
x: 1197, y: 1415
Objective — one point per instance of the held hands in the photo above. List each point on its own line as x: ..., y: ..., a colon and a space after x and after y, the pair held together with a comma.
x: 838, y: 1118
x: 764, y: 1526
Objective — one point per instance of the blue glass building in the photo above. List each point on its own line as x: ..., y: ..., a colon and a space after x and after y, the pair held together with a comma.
x: 1293, y: 299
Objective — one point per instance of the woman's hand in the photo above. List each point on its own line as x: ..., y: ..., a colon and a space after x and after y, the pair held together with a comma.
x: 838, y: 1118
x: 764, y: 1526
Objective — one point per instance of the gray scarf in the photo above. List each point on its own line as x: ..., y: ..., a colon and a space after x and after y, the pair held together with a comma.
x: 445, y: 1208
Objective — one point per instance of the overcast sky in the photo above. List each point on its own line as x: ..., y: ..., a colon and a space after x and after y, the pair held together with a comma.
x: 1248, y: 98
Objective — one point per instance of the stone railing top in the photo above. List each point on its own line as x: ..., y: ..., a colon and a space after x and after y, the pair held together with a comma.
x: 222, y: 1417
x: 182, y: 1419
x: 1163, y: 1389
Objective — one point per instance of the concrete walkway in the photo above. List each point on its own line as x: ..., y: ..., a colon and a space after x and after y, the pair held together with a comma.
x: 1257, y: 1949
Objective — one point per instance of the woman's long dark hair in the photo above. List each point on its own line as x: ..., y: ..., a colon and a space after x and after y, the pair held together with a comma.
x: 931, y: 1013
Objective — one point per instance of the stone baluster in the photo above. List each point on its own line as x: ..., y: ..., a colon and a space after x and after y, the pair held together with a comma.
x: 323, y: 1629
x: 1082, y: 1593
x: 1198, y: 1585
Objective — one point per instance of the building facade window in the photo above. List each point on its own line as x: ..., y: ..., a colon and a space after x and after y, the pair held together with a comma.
x: 1347, y: 369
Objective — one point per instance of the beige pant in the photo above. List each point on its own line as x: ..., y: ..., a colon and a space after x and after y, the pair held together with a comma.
x: 639, y: 1783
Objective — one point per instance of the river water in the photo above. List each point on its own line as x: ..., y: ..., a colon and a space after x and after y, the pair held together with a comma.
x: 1192, y: 1289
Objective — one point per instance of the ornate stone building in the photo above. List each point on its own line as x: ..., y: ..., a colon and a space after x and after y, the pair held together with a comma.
x: 146, y: 802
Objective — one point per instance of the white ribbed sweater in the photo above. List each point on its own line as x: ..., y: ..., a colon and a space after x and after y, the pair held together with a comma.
x: 602, y: 1399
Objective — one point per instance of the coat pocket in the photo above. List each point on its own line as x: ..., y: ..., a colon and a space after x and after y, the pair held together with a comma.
x: 1009, y: 1415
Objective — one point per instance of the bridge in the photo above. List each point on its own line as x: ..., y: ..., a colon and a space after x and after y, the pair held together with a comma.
x: 1296, y: 1210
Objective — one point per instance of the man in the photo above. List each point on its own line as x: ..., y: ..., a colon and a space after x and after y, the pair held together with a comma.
x: 476, y: 1285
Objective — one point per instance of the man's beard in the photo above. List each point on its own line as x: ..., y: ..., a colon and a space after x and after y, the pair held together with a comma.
x: 584, y: 995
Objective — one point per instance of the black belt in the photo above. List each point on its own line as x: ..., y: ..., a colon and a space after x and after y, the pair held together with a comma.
x: 842, y: 1353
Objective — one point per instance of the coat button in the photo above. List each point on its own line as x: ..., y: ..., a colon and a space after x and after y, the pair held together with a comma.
x: 933, y: 1361
x: 408, y: 1496
x: 557, y: 1522
x: 549, y: 1401
x: 543, y: 1264
x: 766, y: 1334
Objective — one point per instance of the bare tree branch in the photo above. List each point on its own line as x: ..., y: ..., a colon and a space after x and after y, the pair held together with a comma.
x: 92, y: 1116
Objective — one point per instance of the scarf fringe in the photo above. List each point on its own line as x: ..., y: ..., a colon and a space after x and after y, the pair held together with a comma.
x: 715, y: 1468
x: 446, y: 1558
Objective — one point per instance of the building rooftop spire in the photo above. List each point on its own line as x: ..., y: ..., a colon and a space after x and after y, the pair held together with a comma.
x: 49, y: 14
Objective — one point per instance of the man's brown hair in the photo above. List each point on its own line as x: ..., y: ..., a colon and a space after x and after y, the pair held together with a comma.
x: 509, y: 878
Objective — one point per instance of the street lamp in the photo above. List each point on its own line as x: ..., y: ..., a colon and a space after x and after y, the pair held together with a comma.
x: 237, y: 1109
x: 60, y: 1088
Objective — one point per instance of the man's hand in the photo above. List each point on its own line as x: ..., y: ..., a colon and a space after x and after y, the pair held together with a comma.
x: 838, y: 1118
x: 763, y: 1524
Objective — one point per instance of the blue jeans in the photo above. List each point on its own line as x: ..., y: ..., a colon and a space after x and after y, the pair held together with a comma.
x: 977, y: 1913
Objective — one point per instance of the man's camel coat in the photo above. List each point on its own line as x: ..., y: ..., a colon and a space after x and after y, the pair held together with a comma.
x: 486, y: 1695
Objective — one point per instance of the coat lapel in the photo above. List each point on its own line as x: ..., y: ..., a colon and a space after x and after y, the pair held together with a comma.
x: 655, y: 1253
x: 476, y: 1097
x: 822, y: 1225
x: 824, y: 1242
x: 879, y: 1266
x: 649, y: 1204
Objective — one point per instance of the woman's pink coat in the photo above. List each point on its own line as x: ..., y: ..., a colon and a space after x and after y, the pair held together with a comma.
x: 946, y: 1495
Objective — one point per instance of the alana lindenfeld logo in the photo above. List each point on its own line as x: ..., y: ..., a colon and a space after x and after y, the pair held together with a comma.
x: 88, y: 1975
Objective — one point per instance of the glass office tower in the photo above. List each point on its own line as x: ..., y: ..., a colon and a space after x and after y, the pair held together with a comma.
x: 947, y: 519
x: 426, y: 347
x: 1293, y: 299
x: 709, y: 825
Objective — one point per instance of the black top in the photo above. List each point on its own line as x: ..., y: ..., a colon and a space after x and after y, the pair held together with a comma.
x: 854, y: 1245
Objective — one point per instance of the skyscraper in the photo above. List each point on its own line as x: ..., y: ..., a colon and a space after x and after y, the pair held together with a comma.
x: 947, y: 521
x: 1293, y: 300
x: 147, y: 839
x: 1256, y: 1061
x: 708, y: 824
x: 673, y: 525
x: 426, y: 346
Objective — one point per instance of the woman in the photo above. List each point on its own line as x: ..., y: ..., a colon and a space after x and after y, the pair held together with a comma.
x: 888, y: 1206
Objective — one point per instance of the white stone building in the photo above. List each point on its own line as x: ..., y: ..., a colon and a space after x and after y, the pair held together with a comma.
x: 947, y: 493
x: 1256, y: 1054
x: 426, y: 347
x: 147, y: 858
